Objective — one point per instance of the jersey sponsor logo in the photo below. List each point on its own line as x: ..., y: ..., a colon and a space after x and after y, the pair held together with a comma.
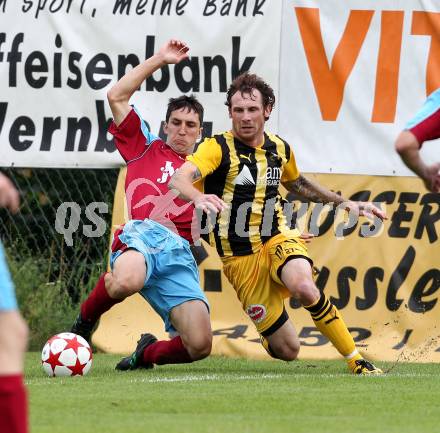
x: 167, y: 171
x: 257, y: 312
x: 271, y: 177
x: 244, y: 177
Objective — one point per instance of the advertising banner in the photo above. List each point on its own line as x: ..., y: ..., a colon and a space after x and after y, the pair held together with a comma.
x: 347, y: 75
x: 59, y: 58
x: 384, y: 279
x: 352, y: 74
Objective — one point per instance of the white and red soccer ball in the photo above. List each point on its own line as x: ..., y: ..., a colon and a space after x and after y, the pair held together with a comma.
x: 66, y: 354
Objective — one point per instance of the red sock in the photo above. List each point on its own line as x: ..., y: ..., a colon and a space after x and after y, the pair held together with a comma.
x: 167, y: 352
x: 13, y: 404
x: 98, y: 302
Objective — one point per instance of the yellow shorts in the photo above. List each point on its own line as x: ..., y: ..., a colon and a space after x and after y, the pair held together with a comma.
x: 256, y: 279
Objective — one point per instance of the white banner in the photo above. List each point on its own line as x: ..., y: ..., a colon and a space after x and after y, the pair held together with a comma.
x: 59, y: 58
x: 347, y: 75
x: 352, y: 74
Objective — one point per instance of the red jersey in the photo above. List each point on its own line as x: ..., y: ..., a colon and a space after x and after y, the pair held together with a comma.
x: 150, y: 165
x: 425, y: 125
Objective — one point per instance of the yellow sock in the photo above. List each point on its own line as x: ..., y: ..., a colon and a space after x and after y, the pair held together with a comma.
x: 329, y: 321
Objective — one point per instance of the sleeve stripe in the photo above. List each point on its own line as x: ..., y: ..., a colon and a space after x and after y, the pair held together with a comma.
x: 147, y: 133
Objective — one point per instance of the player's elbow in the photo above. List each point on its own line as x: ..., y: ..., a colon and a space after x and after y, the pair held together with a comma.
x: 114, y: 96
x: 405, y: 142
x: 111, y: 95
x: 399, y: 146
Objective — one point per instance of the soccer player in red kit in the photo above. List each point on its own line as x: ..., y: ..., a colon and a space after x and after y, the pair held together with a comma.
x: 151, y: 253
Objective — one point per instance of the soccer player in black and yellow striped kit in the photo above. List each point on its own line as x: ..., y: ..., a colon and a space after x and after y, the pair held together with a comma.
x: 263, y: 258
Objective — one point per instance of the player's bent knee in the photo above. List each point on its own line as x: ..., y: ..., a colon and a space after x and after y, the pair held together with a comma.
x: 293, y: 353
x: 286, y: 352
x: 124, y: 286
x: 306, y: 292
x: 200, y: 347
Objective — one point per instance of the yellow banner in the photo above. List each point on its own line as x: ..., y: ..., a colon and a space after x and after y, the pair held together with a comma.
x: 385, y: 281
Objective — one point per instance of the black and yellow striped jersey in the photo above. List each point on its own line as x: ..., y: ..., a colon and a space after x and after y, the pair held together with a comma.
x: 248, y: 179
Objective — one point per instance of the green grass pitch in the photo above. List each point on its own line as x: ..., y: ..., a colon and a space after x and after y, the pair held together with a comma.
x: 221, y: 395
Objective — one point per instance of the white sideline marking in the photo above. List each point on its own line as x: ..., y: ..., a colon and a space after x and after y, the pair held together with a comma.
x: 212, y: 377
x: 217, y: 377
x: 187, y: 378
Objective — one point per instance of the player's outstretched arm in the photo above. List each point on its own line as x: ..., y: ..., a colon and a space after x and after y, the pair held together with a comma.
x: 9, y: 196
x: 366, y: 209
x: 174, y: 51
x: 314, y: 192
x: 408, y: 147
x: 182, y: 184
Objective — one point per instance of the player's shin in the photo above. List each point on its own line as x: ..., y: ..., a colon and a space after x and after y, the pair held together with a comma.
x: 167, y: 352
x: 98, y: 301
x: 330, y: 323
x: 96, y: 304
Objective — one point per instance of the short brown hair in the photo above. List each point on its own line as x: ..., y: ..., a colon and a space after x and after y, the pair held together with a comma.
x: 189, y: 102
x: 245, y: 83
